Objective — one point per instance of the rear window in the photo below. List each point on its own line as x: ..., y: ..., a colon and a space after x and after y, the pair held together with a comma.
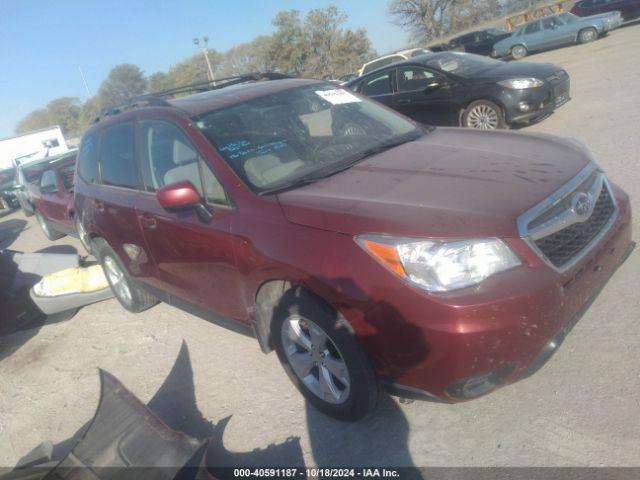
x: 117, y: 161
x: 88, y: 159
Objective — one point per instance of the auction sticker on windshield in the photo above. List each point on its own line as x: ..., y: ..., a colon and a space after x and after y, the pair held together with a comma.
x: 337, y: 96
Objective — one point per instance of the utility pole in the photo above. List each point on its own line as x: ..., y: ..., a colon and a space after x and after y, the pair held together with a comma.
x: 205, y: 41
x: 84, y: 82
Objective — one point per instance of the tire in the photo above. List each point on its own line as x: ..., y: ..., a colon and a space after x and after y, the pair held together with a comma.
x: 300, y: 319
x: 82, y: 234
x: 124, y: 287
x: 48, y: 230
x: 518, y: 52
x: 483, y: 115
x: 587, y: 35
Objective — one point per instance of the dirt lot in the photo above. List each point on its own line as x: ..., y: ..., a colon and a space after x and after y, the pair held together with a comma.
x: 582, y: 408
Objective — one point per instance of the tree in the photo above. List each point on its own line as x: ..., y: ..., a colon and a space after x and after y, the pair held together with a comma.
x: 430, y: 19
x: 288, y: 48
x: 33, y: 121
x: 63, y: 111
x: 123, y: 82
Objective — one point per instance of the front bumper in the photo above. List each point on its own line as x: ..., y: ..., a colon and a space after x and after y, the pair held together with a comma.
x: 500, y: 331
x: 541, y: 101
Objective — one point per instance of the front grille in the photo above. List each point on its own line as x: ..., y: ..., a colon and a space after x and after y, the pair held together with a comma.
x: 560, y: 247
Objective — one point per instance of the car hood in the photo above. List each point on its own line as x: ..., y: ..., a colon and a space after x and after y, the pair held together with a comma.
x: 517, y: 69
x: 451, y: 183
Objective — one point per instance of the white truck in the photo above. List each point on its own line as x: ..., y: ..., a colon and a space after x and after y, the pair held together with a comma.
x: 21, y: 150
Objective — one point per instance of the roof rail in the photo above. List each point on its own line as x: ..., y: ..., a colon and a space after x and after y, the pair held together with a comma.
x: 155, y: 99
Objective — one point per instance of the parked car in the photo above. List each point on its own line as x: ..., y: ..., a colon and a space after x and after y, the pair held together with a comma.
x: 52, y: 197
x: 27, y: 175
x: 629, y: 9
x: 389, y: 59
x: 555, y: 31
x: 480, y: 42
x: 453, y: 88
x: 8, y: 200
x: 365, y: 249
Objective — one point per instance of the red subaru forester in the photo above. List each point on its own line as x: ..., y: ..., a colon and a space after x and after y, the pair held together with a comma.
x: 365, y: 249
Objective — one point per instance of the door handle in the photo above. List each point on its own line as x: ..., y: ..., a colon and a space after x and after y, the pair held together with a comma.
x: 99, y: 206
x: 148, y: 221
x: 404, y: 101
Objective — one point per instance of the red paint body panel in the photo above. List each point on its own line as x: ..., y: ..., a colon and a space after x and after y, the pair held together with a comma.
x: 452, y: 183
x: 56, y: 208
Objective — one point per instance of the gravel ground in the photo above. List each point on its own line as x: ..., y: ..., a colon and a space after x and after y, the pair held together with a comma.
x: 582, y: 408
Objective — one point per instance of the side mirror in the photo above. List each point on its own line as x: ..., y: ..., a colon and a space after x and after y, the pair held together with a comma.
x: 179, y: 196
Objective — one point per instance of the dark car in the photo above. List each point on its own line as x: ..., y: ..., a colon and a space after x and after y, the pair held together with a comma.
x: 8, y: 199
x: 52, y: 197
x: 365, y: 249
x: 453, y: 88
x: 480, y: 42
x: 629, y: 9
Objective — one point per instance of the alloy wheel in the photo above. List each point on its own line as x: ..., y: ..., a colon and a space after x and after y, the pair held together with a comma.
x: 315, y: 359
x: 117, y: 280
x: 483, y: 117
x: 588, y: 36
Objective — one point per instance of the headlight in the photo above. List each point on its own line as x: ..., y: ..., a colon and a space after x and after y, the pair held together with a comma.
x: 439, y: 265
x: 521, y: 83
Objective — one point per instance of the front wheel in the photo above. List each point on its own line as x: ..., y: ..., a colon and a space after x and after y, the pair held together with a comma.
x: 483, y: 115
x: 587, y: 35
x: 124, y: 287
x: 518, y: 52
x: 323, y: 358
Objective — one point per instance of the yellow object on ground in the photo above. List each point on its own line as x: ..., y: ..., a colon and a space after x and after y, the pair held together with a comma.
x: 71, y: 280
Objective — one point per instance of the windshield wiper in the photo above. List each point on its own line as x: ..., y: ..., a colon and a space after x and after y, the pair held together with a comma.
x: 346, y: 164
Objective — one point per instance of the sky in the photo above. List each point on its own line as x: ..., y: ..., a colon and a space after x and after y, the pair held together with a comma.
x: 42, y: 43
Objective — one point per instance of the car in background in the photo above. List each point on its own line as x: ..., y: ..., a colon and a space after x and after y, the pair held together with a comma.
x: 479, y: 42
x: 8, y: 200
x: 454, y: 88
x: 629, y: 9
x: 52, y: 197
x: 555, y: 31
x: 365, y: 249
x: 389, y: 59
x: 26, y: 175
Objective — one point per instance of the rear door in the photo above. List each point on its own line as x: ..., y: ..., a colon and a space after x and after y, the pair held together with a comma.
x: 194, y: 256
x: 114, y: 201
x: 416, y: 99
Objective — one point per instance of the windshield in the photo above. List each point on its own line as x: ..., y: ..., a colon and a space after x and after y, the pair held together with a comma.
x: 568, y: 17
x: 461, y: 64
x: 280, y: 140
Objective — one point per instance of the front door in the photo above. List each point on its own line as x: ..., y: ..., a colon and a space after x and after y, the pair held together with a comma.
x: 193, y: 254
x: 423, y: 95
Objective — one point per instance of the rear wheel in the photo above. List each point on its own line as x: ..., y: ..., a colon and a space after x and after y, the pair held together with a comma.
x: 483, y: 115
x: 124, y: 287
x: 518, y: 52
x: 47, y: 229
x: 323, y: 358
x: 587, y: 35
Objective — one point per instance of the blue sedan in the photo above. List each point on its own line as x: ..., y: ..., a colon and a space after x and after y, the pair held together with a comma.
x: 555, y: 31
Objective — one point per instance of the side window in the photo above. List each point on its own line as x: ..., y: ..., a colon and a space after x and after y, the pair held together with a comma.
x: 532, y: 28
x: 66, y: 174
x: 413, y: 78
x: 167, y: 157
x: 48, y: 182
x: 88, y: 159
x: 379, y: 84
x: 213, y: 190
x: 117, y: 163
